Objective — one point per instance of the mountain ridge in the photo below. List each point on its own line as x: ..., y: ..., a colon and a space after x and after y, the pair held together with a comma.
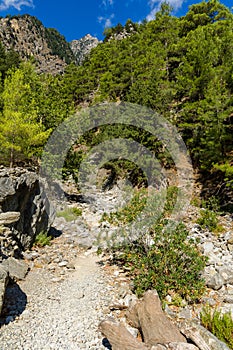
x: 49, y: 49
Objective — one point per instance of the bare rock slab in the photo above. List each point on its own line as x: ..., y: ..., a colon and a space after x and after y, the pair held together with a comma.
x: 3, y: 283
x: 17, y: 269
x: 147, y: 314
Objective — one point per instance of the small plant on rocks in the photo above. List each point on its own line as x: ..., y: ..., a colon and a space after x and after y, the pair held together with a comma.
x: 70, y: 214
x: 221, y: 325
x: 42, y: 239
x: 208, y: 216
x: 130, y: 212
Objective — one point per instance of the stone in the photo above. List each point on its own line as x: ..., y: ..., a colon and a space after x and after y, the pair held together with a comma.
x: 181, y: 346
x: 149, y: 316
x: 226, y: 272
x: 3, y: 283
x: 213, y: 342
x: 185, y: 313
x: 85, y: 242
x: 9, y: 217
x: 17, y: 269
x: 63, y: 263
x: 215, y: 282
x: 230, y: 239
x: 208, y: 247
x: 82, y: 47
x: 24, y: 205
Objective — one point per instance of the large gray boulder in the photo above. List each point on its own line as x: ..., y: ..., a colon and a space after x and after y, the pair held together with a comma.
x: 4, y: 276
x: 24, y: 206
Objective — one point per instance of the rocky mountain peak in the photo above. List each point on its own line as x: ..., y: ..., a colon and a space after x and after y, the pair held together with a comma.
x: 82, y: 47
x: 26, y: 35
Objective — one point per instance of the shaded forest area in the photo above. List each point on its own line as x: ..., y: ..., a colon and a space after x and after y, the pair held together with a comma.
x: 182, y: 68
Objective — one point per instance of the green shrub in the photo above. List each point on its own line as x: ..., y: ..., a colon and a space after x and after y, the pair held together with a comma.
x: 171, y: 263
x: 221, y: 325
x: 130, y: 212
x: 42, y: 239
x: 208, y: 220
x: 70, y: 214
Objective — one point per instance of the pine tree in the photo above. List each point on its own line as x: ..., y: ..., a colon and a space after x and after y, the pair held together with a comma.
x: 20, y: 131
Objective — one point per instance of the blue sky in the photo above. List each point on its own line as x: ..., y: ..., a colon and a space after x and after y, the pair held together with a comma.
x: 74, y: 18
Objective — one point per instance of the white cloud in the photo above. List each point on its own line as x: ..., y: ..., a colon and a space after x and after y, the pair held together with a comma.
x: 155, y: 6
x: 17, y: 4
x: 107, y: 3
x: 106, y: 20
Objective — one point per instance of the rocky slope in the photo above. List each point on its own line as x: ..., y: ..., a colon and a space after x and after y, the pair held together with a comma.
x: 27, y: 36
x: 81, y: 48
x: 46, y: 46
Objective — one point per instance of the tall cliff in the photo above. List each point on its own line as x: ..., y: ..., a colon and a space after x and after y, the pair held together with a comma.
x: 47, y: 47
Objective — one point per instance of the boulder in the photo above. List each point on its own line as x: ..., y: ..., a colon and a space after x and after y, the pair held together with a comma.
x: 9, y: 217
x: 3, y: 283
x: 157, y: 330
x: 24, y: 206
x: 199, y: 332
x: 17, y: 269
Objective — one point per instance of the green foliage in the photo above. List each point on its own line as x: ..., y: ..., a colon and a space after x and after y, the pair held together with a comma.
x: 221, y: 325
x: 208, y: 215
x: 70, y: 213
x: 208, y: 220
x: 128, y: 213
x: 42, y: 239
x: 21, y: 132
x: 163, y: 259
x: 59, y: 45
x: 171, y: 264
x: 179, y: 67
x: 131, y: 210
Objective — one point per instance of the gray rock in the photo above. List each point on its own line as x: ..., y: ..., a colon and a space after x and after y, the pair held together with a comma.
x: 23, y: 193
x: 226, y: 273
x: 9, y: 217
x: 17, y: 269
x: 181, y: 346
x: 215, y: 282
x: 3, y: 283
x: 82, y: 47
x: 63, y: 263
x: 185, y: 313
x: 213, y: 342
x: 85, y: 242
x: 208, y: 247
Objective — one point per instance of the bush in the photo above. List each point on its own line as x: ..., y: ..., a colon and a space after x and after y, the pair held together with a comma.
x: 70, y: 214
x: 221, y: 325
x: 42, y: 239
x: 170, y: 263
x: 208, y: 216
x: 208, y: 219
x: 130, y: 212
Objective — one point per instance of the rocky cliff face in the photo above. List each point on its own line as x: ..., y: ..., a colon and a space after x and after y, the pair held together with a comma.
x: 27, y: 36
x: 24, y: 210
x: 81, y: 48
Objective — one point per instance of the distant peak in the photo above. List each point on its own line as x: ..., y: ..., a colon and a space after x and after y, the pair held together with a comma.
x: 82, y: 47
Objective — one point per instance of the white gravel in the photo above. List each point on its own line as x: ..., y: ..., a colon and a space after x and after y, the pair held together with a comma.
x: 60, y: 315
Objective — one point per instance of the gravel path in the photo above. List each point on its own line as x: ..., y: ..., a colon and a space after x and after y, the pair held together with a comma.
x: 59, y: 315
x: 67, y: 291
